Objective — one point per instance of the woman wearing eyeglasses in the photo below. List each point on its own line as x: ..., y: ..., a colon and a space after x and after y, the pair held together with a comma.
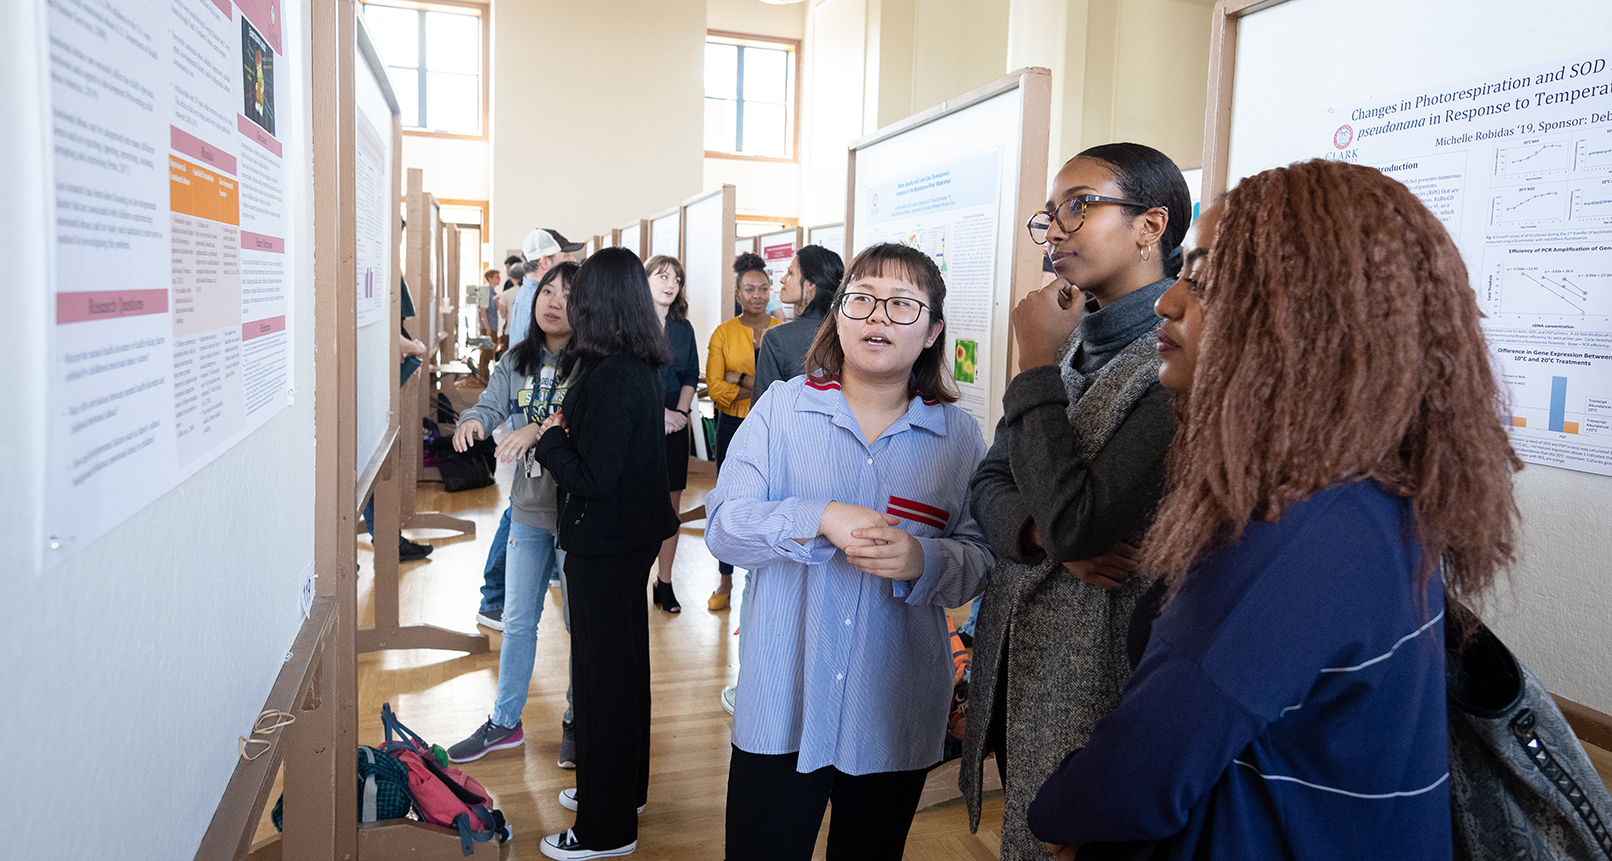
x: 845, y: 494
x: 1073, y: 475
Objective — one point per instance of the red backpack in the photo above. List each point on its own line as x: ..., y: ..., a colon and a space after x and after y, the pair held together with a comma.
x: 442, y: 795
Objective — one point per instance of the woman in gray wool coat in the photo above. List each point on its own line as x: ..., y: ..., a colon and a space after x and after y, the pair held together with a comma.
x: 1073, y: 475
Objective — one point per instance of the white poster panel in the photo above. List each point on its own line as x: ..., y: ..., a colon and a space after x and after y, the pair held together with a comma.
x: 951, y: 209
x: 377, y: 369
x: 665, y: 235
x: 1518, y: 166
x: 830, y: 236
x: 173, y: 124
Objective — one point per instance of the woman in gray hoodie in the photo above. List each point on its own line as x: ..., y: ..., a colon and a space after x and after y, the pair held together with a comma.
x: 526, y: 386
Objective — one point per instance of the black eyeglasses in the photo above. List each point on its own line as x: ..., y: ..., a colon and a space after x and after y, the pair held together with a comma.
x: 898, y: 309
x: 1072, y: 212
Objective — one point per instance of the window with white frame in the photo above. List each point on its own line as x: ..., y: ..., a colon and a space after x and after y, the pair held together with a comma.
x: 749, y: 96
x: 435, y: 54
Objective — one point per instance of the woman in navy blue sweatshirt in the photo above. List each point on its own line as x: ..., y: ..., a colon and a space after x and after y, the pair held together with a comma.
x: 1340, y: 489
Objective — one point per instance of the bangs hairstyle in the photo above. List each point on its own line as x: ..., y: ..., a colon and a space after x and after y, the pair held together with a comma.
x: 1341, y: 342
x: 679, y: 309
x: 611, y: 312
x: 528, y: 354
x: 930, y: 378
x: 824, y: 269
x: 1148, y: 176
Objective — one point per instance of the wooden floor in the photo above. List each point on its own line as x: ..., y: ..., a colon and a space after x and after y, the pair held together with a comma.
x: 445, y: 696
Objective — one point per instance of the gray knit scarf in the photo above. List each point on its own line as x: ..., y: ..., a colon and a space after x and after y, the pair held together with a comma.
x: 1067, y: 664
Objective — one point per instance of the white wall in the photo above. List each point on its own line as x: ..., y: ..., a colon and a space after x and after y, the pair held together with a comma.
x: 1556, y: 611
x: 598, y: 113
x: 130, y: 668
x: 454, y: 169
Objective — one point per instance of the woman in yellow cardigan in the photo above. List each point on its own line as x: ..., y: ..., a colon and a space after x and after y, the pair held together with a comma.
x: 730, y: 371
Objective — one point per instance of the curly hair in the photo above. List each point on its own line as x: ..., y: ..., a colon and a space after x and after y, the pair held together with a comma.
x: 1341, y: 342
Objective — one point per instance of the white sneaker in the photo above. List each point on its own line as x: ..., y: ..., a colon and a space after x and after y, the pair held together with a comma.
x: 565, y: 847
x: 728, y: 694
x: 568, y: 800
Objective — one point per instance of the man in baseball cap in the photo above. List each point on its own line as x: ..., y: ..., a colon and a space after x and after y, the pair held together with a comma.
x: 566, y: 245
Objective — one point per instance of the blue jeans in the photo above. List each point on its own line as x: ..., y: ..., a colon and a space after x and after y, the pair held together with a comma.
x: 532, y: 561
x: 492, y: 576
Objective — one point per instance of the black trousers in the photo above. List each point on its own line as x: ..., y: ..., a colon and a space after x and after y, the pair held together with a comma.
x: 726, y: 427
x: 610, y: 675
x: 774, y: 812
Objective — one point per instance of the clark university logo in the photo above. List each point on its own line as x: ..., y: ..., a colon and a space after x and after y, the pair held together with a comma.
x: 1344, y: 136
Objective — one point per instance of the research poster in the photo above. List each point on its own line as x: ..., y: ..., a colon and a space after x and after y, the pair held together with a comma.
x: 778, y: 250
x: 949, y: 211
x: 173, y: 230
x: 1518, y: 166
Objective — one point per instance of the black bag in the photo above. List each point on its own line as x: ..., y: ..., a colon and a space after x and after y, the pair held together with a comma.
x: 1521, y: 786
x: 465, y: 470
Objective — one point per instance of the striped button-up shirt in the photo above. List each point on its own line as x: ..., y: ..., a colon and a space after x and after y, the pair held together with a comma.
x: 850, y: 669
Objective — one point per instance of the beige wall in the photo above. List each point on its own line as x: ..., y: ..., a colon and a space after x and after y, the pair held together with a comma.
x: 597, y: 113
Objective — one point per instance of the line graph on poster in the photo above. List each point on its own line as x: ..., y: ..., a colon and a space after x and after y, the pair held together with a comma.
x: 1532, y: 203
x: 1541, y: 156
x: 1571, y: 284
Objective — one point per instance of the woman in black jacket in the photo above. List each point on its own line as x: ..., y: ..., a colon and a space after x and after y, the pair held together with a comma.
x: 606, y: 448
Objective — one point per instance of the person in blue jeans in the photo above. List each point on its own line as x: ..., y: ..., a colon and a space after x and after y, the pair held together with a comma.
x: 525, y: 386
x: 544, y: 249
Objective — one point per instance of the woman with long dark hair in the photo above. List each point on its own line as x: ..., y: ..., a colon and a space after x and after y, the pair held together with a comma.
x: 1073, y: 475
x: 809, y: 285
x: 607, y: 451
x: 528, y: 386
x: 1340, y: 489
x: 678, y: 379
x: 846, y: 496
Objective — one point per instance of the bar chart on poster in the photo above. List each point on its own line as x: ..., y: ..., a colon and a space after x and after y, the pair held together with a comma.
x: 173, y: 235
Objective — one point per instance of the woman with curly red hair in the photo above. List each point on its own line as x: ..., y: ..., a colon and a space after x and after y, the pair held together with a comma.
x: 1340, y: 479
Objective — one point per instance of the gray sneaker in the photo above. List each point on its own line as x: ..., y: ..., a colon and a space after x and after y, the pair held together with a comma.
x: 489, y: 737
x: 568, y: 745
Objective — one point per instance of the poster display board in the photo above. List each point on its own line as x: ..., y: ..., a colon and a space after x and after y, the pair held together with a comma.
x: 631, y: 237
x: 666, y: 234
x: 1513, y: 152
x: 707, y: 262
x: 778, y: 249
x: 830, y: 236
x: 173, y: 132
x: 375, y: 116
x: 958, y: 182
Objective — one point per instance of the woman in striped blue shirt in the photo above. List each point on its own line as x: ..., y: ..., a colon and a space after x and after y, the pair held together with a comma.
x: 846, y: 494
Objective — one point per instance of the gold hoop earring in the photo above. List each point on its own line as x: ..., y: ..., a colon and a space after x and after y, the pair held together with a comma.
x: 1147, y: 253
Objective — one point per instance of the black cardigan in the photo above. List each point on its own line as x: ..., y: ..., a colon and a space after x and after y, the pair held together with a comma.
x: 611, y: 465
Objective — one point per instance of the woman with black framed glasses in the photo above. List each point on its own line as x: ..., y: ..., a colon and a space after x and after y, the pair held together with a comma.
x: 845, y: 493
x: 1073, y: 475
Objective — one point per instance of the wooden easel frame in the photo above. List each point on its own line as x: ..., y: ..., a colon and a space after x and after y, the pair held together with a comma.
x: 396, y: 491
x: 1223, y: 27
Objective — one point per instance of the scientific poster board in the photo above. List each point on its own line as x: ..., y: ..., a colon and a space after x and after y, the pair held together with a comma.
x: 1510, y: 147
x: 708, y: 228
x: 958, y: 182
x: 376, y: 119
x: 666, y: 234
x: 778, y: 249
x: 174, y: 231
x: 830, y: 236
x: 1499, y: 117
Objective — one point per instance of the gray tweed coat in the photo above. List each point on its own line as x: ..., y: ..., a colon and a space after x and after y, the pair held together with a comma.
x: 1081, y: 456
